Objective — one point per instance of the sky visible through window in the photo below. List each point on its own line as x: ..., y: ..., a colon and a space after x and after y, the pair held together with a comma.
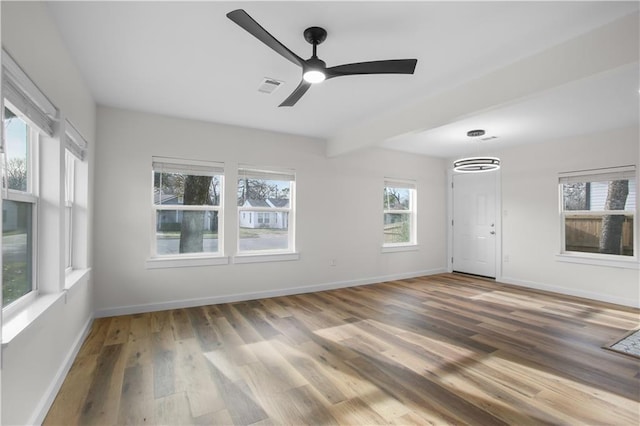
x: 16, y: 138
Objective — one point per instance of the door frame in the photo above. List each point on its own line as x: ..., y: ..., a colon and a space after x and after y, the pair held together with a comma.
x: 498, y: 210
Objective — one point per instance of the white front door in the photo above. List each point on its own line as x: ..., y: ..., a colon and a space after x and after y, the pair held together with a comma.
x: 474, y: 223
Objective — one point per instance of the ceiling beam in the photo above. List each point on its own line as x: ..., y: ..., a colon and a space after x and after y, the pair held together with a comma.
x: 609, y: 47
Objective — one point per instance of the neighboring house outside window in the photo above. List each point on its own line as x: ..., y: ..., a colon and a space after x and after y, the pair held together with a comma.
x: 399, y: 212
x: 187, y: 205
x: 265, y: 211
x: 598, y: 210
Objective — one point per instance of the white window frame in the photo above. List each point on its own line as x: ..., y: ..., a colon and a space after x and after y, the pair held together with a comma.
x: 28, y: 196
x: 69, y: 199
x: 412, y: 212
x: 197, y: 167
x: 266, y: 173
x: 601, y: 259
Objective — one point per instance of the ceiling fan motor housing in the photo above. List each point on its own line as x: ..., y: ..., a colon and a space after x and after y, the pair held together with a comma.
x: 315, y: 35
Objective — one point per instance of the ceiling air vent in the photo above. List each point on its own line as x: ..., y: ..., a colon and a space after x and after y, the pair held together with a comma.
x: 269, y: 85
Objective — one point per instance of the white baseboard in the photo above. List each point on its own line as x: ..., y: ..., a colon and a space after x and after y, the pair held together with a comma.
x: 45, y: 403
x: 572, y: 292
x: 239, y: 297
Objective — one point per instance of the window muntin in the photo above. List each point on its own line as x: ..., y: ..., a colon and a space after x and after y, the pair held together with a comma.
x: 399, y: 216
x: 19, y: 208
x: 598, y: 212
x: 265, y: 211
x: 187, y: 203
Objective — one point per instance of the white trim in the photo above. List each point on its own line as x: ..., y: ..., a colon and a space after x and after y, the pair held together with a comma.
x: 13, y: 325
x: 182, y: 261
x: 239, y: 297
x: 188, y: 207
x: 74, y: 276
x: 43, y: 406
x: 610, y: 260
x: 390, y: 248
x: 571, y: 292
x: 258, y: 257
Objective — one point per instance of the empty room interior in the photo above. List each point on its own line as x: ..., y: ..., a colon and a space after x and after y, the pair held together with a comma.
x: 320, y: 212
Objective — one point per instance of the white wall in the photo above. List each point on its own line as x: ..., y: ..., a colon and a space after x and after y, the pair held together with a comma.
x: 35, y: 361
x: 339, y: 213
x: 531, y: 226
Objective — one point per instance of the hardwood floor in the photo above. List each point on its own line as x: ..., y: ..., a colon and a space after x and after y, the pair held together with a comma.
x: 444, y: 349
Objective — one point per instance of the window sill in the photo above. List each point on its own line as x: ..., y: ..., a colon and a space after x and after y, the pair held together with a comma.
x: 400, y: 248
x: 21, y: 320
x: 74, y: 276
x: 598, y: 260
x: 182, y: 262
x: 265, y: 257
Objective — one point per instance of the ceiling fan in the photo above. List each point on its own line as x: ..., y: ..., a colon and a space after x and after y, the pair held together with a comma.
x: 314, y: 70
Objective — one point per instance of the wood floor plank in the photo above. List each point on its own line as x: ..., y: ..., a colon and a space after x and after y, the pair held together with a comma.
x: 118, y: 332
x: 436, y: 350
x: 70, y: 400
x: 202, y: 393
x: 101, y: 404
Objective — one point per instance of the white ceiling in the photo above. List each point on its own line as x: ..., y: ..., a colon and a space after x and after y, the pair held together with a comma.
x: 186, y: 59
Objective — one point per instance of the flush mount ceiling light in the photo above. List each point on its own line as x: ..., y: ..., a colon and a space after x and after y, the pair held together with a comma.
x: 476, y: 164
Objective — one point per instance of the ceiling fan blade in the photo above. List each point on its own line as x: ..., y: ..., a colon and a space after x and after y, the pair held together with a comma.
x: 243, y: 19
x: 392, y: 66
x: 297, y: 94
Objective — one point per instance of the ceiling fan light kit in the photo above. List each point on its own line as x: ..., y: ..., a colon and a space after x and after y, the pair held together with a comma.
x: 314, y: 70
x: 476, y: 164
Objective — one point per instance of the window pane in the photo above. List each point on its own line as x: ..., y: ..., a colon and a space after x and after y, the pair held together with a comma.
x: 263, y: 193
x: 17, y: 240
x: 263, y: 230
x: 185, y: 189
x: 594, y: 196
x: 397, y: 228
x: 67, y: 236
x: 397, y: 198
x: 186, y: 231
x: 606, y: 234
x: 16, y: 134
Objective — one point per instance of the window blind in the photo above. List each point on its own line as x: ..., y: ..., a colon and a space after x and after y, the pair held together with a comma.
x: 250, y: 173
x: 599, y: 175
x: 196, y: 168
x: 394, y: 183
x: 74, y: 142
x: 24, y: 95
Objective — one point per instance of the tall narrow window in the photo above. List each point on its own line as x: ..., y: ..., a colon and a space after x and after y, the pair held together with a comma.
x: 265, y: 211
x: 19, y: 207
x: 399, y: 205
x: 187, y: 204
x: 69, y: 196
x: 598, y: 212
